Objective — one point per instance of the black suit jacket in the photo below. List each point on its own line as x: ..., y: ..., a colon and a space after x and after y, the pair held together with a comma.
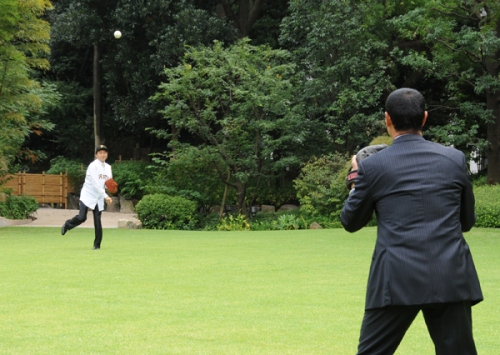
x: 423, y: 199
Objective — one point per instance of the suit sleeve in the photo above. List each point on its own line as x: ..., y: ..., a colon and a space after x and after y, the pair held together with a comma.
x: 358, y: 208
x: 467, y: 203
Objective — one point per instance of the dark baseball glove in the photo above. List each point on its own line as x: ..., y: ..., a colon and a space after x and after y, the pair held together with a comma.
x: 370, y: 150
x: 360, y: 156
x: 112, y: 186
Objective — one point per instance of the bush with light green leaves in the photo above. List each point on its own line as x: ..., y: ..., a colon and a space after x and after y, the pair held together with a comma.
x: 320, y: 186
x: 160, y: 211
x: 17, y: 207
x: 487, y: 206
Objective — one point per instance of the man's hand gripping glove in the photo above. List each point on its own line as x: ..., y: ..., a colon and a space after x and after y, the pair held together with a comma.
x: 360, y: 156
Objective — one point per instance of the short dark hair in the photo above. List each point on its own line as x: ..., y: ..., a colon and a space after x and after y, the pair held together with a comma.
x: 407, y: 109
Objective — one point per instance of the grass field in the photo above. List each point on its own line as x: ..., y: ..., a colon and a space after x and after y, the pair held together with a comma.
x: 173, y: 292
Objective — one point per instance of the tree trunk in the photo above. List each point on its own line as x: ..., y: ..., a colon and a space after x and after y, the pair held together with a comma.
x: 223, y: 204
x: 97, y: 75
x: 241, y: 191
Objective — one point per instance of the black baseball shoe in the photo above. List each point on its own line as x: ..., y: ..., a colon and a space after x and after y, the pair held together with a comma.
x: 96, y: 248
x: 64, y: 229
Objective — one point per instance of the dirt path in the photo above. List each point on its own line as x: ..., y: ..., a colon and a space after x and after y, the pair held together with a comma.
x: 53, y: 217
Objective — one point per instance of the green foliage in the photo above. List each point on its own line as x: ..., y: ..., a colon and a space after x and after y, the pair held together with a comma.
x: 454, y: 49
x: 239, y: 103
x: 155, y: 36
x: 487, y: 206
x: 17, y: 207
x: 263, y: 225
x: 288, y: 222
x: 274, y: 192
x: 321, y: 185
x: 266, y: 29
x: 293, y: 220
x: 72, y: 117
x: 234, y: 223
x: 208, y: 221
x: 190, y: 173
x: 73, y: 168
x: 478, y: 180
x: 24, y: 38
x: 384, y: 139
x: 132, y: 178
x: 340, y: 47
x: 160, y: 211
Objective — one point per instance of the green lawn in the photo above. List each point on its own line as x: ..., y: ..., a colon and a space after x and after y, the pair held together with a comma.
x: 173, y: 292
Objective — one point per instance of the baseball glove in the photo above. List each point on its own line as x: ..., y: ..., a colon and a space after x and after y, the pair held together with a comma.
x: 362, y: 155
x: 370, y: 150
x: 112, y: 186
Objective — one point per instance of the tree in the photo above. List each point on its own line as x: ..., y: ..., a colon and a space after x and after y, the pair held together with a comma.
x: 462, y: 55
x: 88, y: 22
x: 72, y: 117
x: 239, y: 104
x: 340, y: 49
x: 23, y: 100
x: 154, y: 36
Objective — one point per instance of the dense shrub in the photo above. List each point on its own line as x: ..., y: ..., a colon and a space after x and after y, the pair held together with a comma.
x: 74, y: 169
x: 132, y: 178
x: 487, y: 206
x: 17, y: 207
x: 479, y: 180
x: 292, y: 220
x: 160, y: 211
x: 321, y: 185
x: 189, y: 172
x: 233, y: 223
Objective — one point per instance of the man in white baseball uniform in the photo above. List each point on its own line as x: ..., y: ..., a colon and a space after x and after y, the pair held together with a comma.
x: 93, y: 195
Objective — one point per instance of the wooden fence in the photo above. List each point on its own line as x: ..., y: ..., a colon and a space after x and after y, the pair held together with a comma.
x: 45, y: 188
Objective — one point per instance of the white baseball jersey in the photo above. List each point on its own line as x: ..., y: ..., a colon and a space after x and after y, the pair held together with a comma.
x: 93, y: 189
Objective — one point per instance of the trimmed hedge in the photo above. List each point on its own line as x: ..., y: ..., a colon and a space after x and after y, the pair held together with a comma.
x: 160, y: 211
x: 487, y: 206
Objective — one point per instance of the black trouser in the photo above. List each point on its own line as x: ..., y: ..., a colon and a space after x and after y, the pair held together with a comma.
x: 449, y: 325
x: 82, y: 217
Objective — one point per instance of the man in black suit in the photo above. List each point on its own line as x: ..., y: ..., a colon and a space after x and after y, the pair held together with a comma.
x: 423, y: 200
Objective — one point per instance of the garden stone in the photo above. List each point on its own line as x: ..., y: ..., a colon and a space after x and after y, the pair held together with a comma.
x: 288, y: 208
x: 315, y: 225
x: 126, y: 206
x: 115, y: 206
x: 125, y: 223
x: 73, y: 202
x: 214, y: 209
x: 267, y: 208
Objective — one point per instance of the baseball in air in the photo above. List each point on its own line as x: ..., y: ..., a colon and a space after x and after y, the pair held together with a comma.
x: 117, y: 34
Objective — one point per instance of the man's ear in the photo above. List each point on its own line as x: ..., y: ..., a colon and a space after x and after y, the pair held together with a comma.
x: 388, y: 120
x: 425, y: 118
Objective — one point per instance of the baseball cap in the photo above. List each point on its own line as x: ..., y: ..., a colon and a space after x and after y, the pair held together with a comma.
x: 100, y: 147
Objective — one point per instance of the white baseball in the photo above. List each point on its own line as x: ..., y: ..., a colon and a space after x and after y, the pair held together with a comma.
x: 117, y: 34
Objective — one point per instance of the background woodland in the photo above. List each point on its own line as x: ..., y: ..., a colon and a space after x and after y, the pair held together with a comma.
x: 259, y: 101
